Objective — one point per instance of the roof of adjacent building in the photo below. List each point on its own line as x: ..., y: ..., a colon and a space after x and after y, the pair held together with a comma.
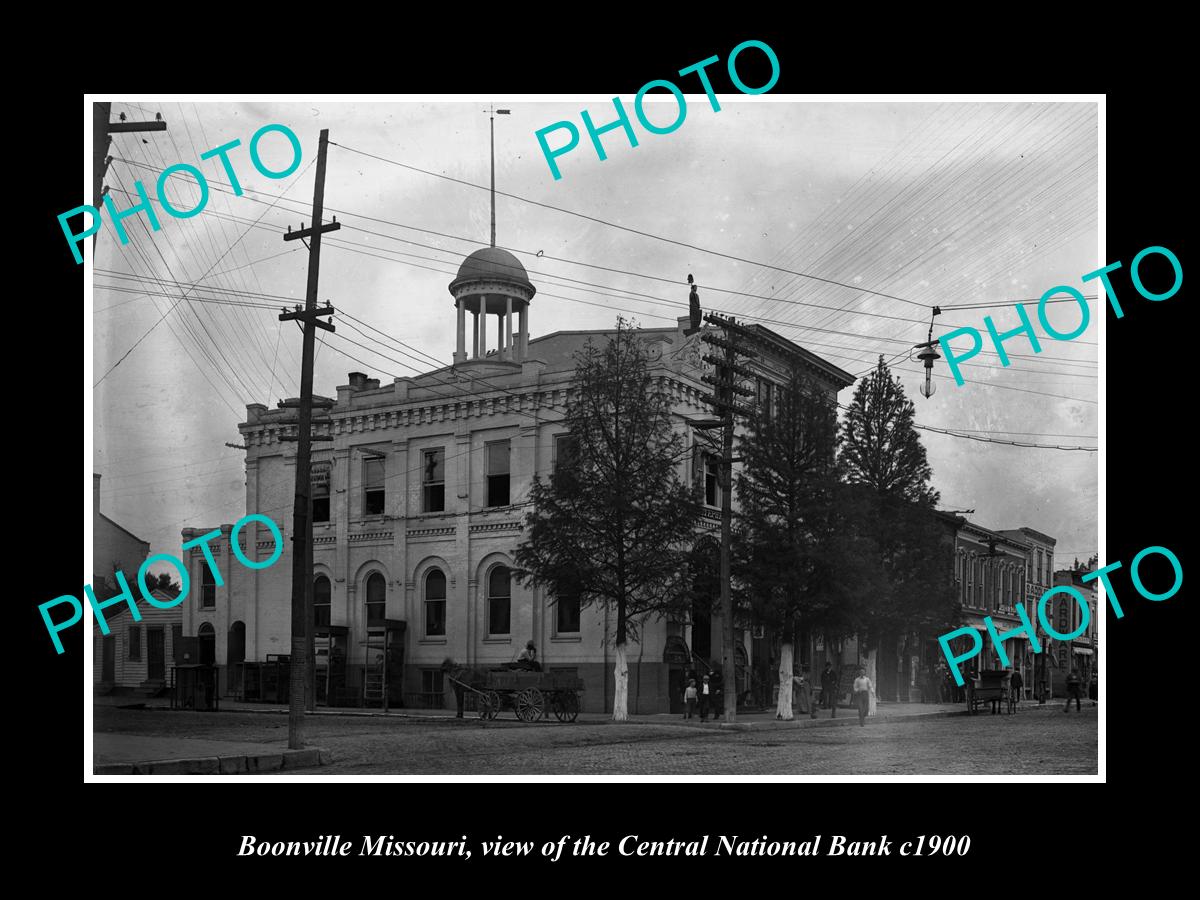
x: 120, y: 527
x: 1027, y: 532
x: 115, y: 612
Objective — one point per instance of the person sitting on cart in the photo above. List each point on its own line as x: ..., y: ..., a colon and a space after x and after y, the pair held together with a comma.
x: 528, y: 658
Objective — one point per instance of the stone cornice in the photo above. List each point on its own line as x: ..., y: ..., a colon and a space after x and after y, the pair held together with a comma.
x: 679, y: 390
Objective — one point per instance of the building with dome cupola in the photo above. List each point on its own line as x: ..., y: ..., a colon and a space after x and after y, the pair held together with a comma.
x: 419, y: 496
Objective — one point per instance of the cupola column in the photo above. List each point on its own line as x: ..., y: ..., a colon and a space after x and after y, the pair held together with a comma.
x: 460, y: 347
x: 508, y: 344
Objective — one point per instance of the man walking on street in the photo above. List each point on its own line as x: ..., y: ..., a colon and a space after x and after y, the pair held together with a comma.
x: 1073, y: 683
x: 1016, y: 687
x: 829, y: 682
x: 862, y: 695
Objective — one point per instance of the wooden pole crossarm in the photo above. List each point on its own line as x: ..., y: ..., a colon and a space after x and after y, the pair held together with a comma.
x: 123, y: 127
x: 308, y: 232
x: 317, y: 402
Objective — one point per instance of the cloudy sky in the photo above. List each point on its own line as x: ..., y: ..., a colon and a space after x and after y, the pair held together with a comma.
x: 953, y: 204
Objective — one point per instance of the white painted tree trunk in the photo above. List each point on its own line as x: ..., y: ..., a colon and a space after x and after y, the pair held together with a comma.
x: 869, y: 663
x: 784, y: 708
x: 621, y: 686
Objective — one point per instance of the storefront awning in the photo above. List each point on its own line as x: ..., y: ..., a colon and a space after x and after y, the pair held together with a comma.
x: 1083, y: 651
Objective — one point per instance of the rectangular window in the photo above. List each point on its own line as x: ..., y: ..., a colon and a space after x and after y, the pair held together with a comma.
x: 565, y: 446
x: 433, y: 480
x: 712, y: 480
x: 766, y: 398
x: 320, y: 500
x: 373, y: 492
x: 497, y: 473
x: 1040, y: 567
x: 135, y: 642
x: 567, y: 617
x: 208, y: 587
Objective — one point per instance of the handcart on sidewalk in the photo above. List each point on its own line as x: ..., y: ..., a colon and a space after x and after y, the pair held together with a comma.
x: 991, y: 686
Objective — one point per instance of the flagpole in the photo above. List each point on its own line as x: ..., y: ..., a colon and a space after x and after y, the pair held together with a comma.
x: 492, y: 125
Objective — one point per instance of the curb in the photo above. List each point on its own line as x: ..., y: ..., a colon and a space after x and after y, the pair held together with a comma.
x: 222, y: 765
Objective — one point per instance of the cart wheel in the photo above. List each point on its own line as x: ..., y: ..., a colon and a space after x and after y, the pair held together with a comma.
x: 566, y: 706
x: 529, y: 705
x: 484, y: 702
x: 493, y: 704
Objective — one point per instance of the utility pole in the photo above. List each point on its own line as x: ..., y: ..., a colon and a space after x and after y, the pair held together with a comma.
x: 102, y: 132
x: 301, y: 656
x: 725, y: 391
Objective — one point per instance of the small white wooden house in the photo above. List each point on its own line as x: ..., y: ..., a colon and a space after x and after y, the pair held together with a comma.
x: 136, y: 657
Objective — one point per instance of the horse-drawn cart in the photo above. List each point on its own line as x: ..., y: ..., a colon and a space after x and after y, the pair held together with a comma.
x: 531, y: 695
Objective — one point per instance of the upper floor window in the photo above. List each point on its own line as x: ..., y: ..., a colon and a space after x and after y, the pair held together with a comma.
x: 376, y: 599
x: 499, y: 588
x: 322, y: 602
x: 766, y: 398
x: 435, y: 603
x: 497, y: 473
x: 320, y: 495
x: 433, y: 480
x: 208, y: 586
x: 565, y: 448
x: 373, y: 490
x: 712, y: 480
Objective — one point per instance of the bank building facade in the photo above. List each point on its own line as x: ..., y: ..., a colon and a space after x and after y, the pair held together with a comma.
x: 419, y: 499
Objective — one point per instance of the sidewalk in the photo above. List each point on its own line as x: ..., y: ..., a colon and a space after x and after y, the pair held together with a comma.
x: 885, y: 712
x: 138, y: 754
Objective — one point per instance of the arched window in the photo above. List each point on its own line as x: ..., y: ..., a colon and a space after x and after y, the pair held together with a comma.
x: 321, y: 600
x: 435, y: 603
x: 499, y: 600
x: 376, y: 599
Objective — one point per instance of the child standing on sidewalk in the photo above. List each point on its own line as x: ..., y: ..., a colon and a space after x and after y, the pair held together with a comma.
x: 689, y: 698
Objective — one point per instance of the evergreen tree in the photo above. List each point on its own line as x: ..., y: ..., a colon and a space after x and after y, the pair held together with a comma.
x: 613, y: 524
x: 800, y: 560
x: 887, y: 474
x: 880, y: 446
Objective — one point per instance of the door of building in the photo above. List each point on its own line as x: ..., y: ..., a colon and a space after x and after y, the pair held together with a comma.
x: 675, y: 685
x: 156, y: 655
x: 108, y: 672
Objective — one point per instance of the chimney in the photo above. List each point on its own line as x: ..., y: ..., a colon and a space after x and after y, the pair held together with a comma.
x: 95, y: 493
x: 372, y: 384
x: 358, y: 380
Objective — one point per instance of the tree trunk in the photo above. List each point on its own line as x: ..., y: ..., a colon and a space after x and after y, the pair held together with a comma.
x: 621, y: 683
x: 869, y: 664
x: 784, y: 708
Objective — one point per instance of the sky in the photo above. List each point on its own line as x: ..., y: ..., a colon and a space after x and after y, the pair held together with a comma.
x: 954, y: 204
